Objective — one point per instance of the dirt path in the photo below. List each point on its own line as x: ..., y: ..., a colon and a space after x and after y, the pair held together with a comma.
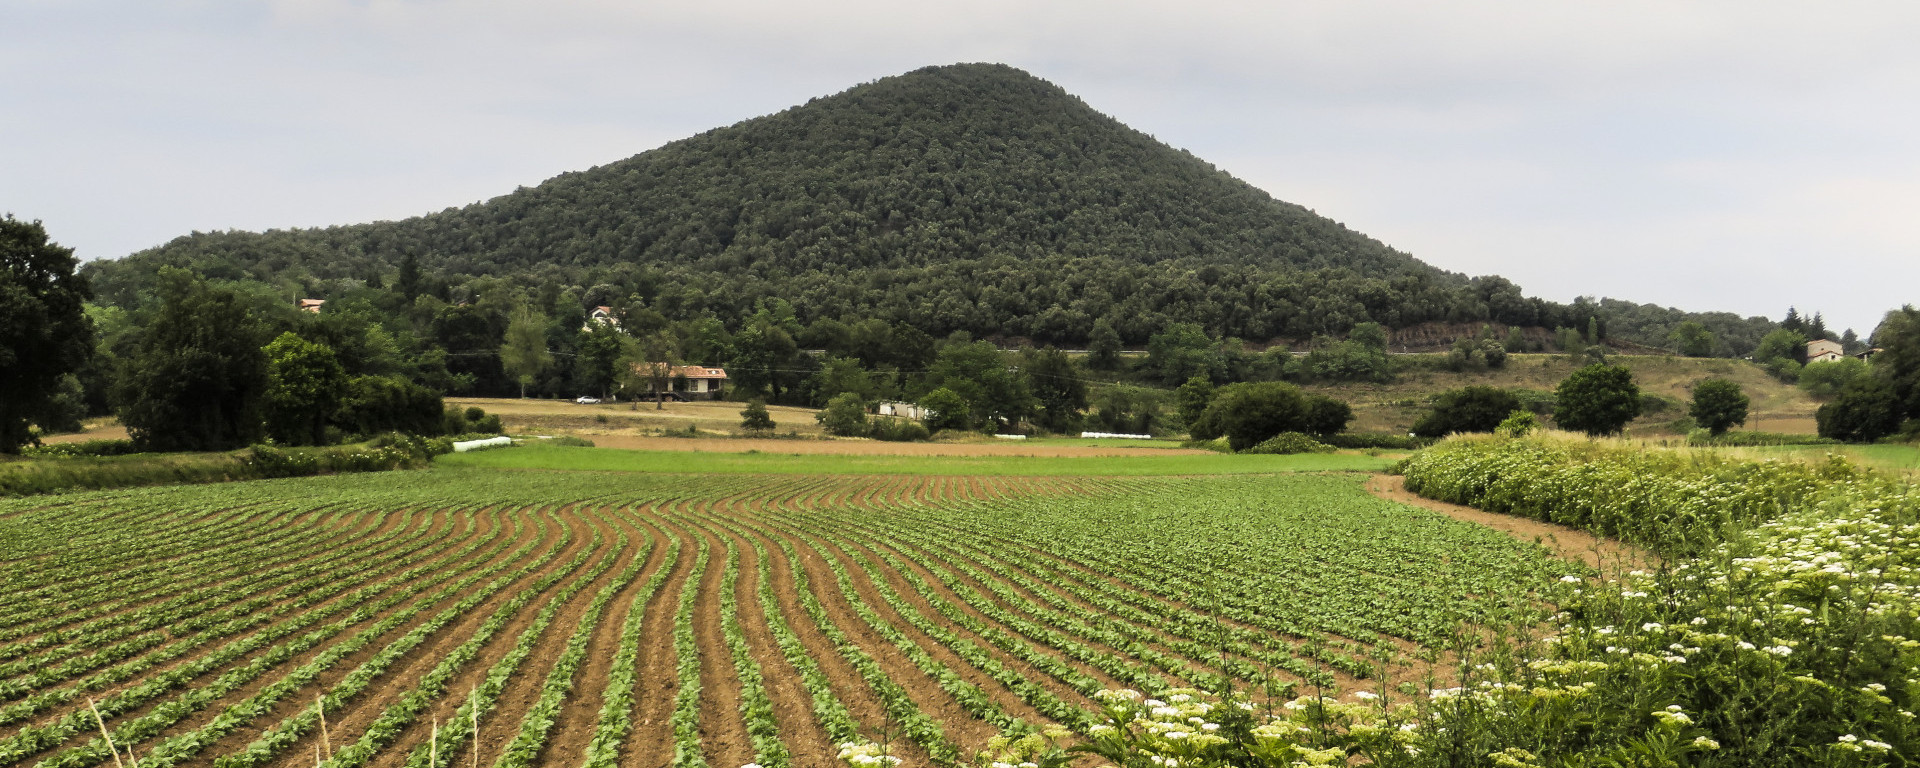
x: 1609, y: 556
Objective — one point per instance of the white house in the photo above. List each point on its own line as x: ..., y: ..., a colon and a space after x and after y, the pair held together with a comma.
x: 694, y: 382
x: 904, y: 410
x: 1824, y: 351
x: 600, y: 316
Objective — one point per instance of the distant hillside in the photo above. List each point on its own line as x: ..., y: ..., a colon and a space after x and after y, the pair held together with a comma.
x: 970, y: 197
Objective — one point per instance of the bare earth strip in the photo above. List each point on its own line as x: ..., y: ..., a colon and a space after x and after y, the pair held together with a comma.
x: 1609, y: 556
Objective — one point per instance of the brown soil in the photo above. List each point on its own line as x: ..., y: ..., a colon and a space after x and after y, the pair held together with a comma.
x: 1609, y: 556
x: 501, y: 721
x: 723, y: 731
x: 574, y: 727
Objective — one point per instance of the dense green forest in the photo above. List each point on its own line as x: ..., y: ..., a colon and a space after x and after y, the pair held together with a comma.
x: 968, y: 197
x: 878, y: 224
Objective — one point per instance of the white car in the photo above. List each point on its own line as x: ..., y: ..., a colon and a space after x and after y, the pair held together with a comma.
x: 586, y: 400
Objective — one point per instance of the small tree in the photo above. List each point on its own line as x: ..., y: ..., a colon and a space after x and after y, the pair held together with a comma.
x: 1326, y: 416
x: 1249, y: 413
x: 305, y: 386
x: 1194, y: 397
x: 1599, y: 400
x: 1692, y: 339
x: 1103, y: 346
x: 946, y: 409
x: 1467, y: 409
x: 845, y: 415
x: 1718, y: 405
x: 756, y: 418
x: 524, y: 354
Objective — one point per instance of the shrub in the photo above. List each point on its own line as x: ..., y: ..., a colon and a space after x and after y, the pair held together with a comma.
x: 1518, y: 424
x: 1249, y: 413
x: 1370, y: 440
x: 87, y: 448
x: 755, y: 418
x: 1288, y: 443
x: 845, y: 415
x: 897, y: 430
x: 1468, y: 409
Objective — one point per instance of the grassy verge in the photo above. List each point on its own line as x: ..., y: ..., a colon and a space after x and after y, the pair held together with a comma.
x: 27, y: 476
x: 551, y: 457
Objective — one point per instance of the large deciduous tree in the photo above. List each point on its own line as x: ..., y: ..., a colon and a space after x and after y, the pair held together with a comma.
x: 198, y: 381
x: 44, y: 331
x: 1599, y: 400
x: 1058, y: 391
x: 1249, y: 413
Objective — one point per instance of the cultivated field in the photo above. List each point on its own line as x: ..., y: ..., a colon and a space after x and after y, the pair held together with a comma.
x: 645, y: 619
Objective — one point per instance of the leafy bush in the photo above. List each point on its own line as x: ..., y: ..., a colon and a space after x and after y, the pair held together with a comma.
x: 88, y: 448
x: 1599, y: 400
x: 1786, y: 627
x: 1718, y: 405
x: 845, y: 415
x: 1749, y: 439
x: 573, y: 441
x: 1287, y: 443
x: 1367, y: 440
x: 1518, y: 424
x: 897, y: 430
x: 1467, y: 409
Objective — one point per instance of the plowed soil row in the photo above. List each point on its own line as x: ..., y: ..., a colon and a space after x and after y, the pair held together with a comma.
x: 1000, y: 617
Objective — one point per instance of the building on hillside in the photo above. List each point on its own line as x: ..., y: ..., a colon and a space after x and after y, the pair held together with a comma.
x: 904, y: 410
x: 309, y: 305
x: 688, y: 382
x: 600, y: 316
x: 1824, y: 351
x: 1868, y: 355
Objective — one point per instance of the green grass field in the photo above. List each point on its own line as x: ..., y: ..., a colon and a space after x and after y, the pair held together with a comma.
x: 563, y: 458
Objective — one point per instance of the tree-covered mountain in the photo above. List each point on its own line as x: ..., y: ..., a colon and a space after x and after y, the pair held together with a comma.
x: 970, y: 197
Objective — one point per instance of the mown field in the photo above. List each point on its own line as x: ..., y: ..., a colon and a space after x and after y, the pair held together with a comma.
x: 617, y: 617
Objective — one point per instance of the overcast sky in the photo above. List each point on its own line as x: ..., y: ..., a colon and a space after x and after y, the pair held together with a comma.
x: 1737, y: 156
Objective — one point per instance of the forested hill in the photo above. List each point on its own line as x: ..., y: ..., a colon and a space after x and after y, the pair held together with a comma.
x: 970, y: 197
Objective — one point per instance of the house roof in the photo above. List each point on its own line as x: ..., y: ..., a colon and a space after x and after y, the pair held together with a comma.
x: 691, y: 371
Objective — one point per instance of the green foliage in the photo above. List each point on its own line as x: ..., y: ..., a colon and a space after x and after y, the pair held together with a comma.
x: 1326, y: 416
x: 1059, y: 393
x: 895, y: 430
x: 523, y: 353
x: 946, y: 409
x: 1468, y: 409
x: 1599, y: 400
x: 1723, y: 649
x: 1250, y: 413
x: 1287, y: 443
x: 305, y: 387
x: 1780, y: 351
x: 970, y: 197
x: 1899, y: 358
x: 1181, y: 352
x: 1826, y: 379
x: 1866, y: 410
x: 1518, y: 424
x: 44, y: 332
x: 1193, y: 398
x: 1128, y: 409
x: 1348, y: 361
x: 117, y: 467
x: 1103, y: 346
x: 375, y: 404
x: 597, y: 366
x: 1692, y: 339
x: 845, y: 415
x: 755, y: 418
x: 1718, y: 405
x: 844, y: 375
x: 199, y: 380
x: 979, y: 374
